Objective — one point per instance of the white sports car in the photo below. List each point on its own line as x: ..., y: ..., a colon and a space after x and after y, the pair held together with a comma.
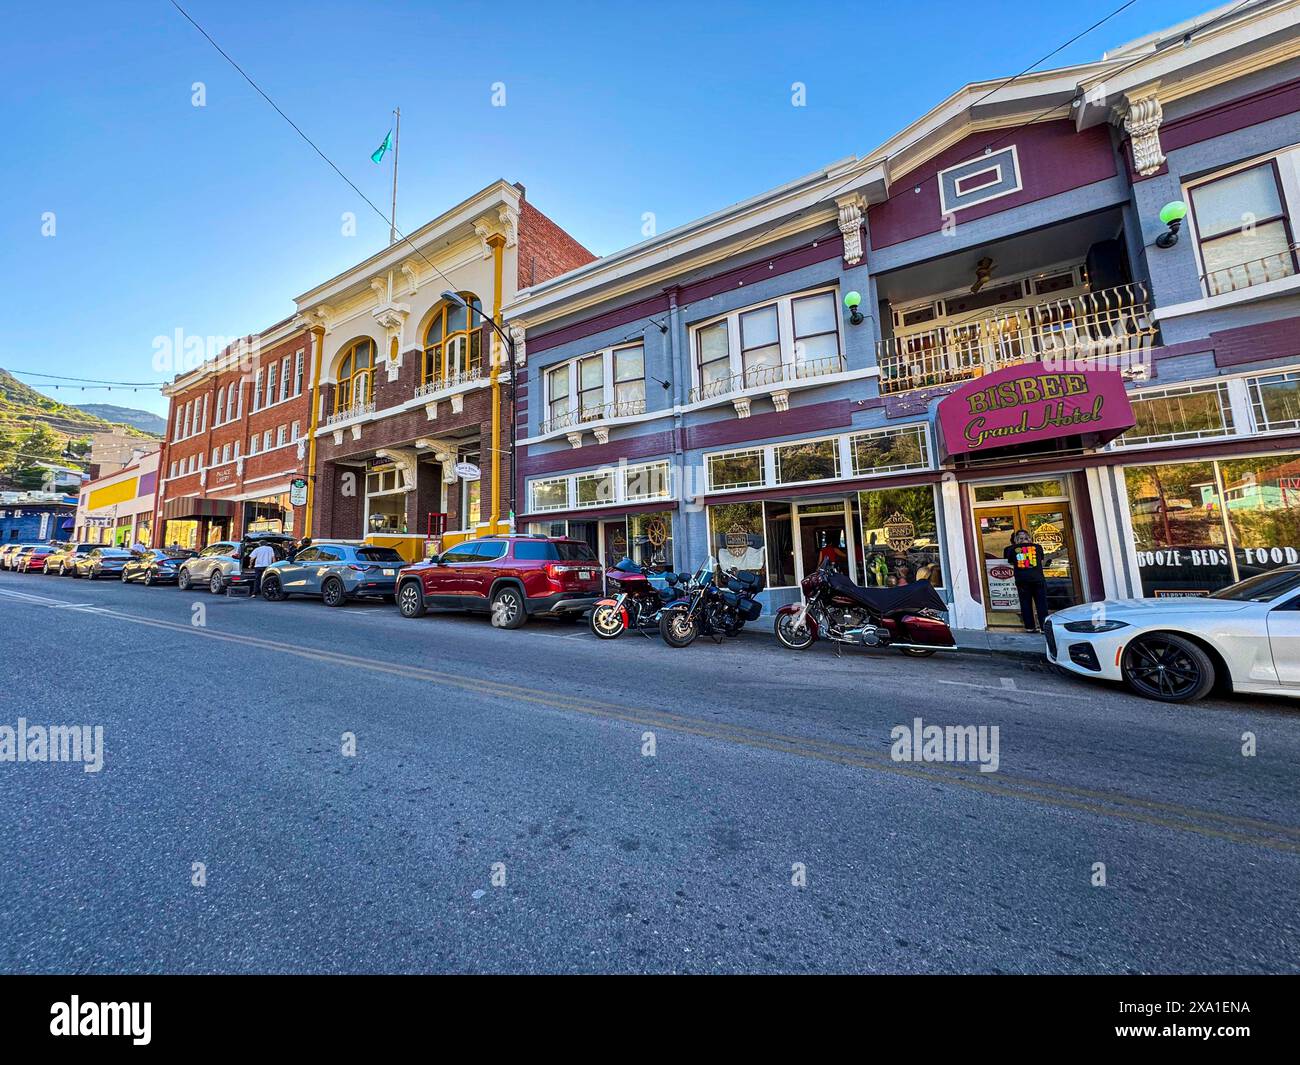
x: 1245, y: 638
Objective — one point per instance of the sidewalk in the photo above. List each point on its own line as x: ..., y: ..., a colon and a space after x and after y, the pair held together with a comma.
x: 983, y: 641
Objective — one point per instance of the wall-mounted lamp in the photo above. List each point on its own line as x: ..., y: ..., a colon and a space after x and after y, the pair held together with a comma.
x: 1172, y: 215
x: 852, y: 300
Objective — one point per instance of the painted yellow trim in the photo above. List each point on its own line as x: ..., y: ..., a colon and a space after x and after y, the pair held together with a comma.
x: 113, y: 493
x: 318, y: 337
x: 498, y: 244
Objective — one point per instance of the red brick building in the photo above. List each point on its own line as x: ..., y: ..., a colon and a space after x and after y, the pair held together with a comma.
x: 236, y: 439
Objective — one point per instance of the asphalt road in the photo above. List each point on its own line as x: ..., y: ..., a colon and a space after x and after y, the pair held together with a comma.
x: 503, y: 812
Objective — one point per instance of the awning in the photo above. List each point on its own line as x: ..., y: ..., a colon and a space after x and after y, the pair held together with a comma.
x: 187, y: 508
x: 1032, y: 409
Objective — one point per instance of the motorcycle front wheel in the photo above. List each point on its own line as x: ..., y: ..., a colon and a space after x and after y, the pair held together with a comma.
x: 790, y: 636
x: 607, y: 622
x: 678, y: 628
x: 915, y: 652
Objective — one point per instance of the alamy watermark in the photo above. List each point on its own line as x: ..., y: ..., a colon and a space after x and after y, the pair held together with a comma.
x: 946, y: 743
x: 53, y: 743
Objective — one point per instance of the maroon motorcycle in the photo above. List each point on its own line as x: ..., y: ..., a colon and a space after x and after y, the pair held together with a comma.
x: 633, y: 602
x: 909, y: 617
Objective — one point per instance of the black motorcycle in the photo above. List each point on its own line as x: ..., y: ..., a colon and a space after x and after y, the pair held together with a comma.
x: 711, y: 609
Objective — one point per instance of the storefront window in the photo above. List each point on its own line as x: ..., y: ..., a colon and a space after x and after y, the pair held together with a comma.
x: 813, y: 460
x: 550, y: 495
x: 736, y: 469
x: 650, y: 540
x: 1193, y: 412
x: 889, y: 450
x: 1275, y: 399
x: 736, y: 536
x: 900, y: 536
x: 1178, y: 528
x: 1261, y: 497
x: 595, y: 489
x: 387, y: 514
x: 1013, y: 493
x: 646, y: 482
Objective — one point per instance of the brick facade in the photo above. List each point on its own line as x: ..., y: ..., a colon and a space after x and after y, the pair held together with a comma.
x: 545, y: 250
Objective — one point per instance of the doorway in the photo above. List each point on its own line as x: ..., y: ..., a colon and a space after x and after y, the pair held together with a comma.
x: 824, y: 530
x: 1051, y: 524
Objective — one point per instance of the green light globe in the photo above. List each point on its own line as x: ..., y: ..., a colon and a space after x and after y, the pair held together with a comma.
x: 1174, y: 211
x: 852, y: 299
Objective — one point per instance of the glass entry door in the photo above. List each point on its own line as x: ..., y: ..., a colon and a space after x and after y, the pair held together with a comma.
x: 1051, y: 526
x: 824, y: 531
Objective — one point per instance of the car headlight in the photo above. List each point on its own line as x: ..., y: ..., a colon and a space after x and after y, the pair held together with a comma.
x: 1095, y: 626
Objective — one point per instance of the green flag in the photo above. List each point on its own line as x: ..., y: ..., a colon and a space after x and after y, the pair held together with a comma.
x: 378, y: 153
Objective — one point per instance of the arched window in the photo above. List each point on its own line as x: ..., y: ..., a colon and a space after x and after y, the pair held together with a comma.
x: 453, y: 342
x: 354, y: 375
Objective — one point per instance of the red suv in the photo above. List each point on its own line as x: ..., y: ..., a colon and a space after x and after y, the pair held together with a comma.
x: 509, y: 577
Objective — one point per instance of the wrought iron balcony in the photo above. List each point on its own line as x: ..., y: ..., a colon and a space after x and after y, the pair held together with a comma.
x: 1255, y: 272
x: 626, y: 408
x: 767, y: 377
x: 450, y: 379
x: 1110, y: 321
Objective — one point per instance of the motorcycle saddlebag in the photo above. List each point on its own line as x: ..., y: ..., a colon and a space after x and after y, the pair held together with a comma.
x: 750, y: 611
x: 929, y: 631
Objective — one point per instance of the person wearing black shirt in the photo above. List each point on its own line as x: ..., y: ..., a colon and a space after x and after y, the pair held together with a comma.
x: 1027, y: 559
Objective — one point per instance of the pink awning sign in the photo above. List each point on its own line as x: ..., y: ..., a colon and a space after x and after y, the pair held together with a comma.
x: 1031, y: 404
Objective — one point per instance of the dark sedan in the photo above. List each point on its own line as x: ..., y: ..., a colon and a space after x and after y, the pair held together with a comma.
x: 102, y: 562
x: 154, y: 566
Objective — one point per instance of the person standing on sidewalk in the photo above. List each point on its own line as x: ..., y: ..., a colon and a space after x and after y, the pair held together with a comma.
x: 1027, y: 559
x: 263, y: 555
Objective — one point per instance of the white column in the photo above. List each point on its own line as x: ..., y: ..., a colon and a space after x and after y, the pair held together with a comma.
x: 966, y: 612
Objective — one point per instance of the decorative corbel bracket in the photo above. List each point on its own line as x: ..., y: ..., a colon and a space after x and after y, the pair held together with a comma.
x: 742, y: 406
x: 850, y: 220
x: 1140, y: 117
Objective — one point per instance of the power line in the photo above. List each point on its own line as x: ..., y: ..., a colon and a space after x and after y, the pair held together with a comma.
x: 392, y: 222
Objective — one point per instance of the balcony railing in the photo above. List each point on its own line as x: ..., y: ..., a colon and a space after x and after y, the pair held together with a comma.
x: 1255, y: 272
x: 1110, y: 321
x: 626, y: 408
x: 355, y: 410
x: 768, y: 376
x: 451, y: 379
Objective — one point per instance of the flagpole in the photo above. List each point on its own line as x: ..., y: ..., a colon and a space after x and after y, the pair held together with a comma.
x: 397, y: 147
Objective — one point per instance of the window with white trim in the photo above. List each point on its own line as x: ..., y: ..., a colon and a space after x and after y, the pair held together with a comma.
x: 1184, y: 412
x: 794, y: 337
x: 1243, y: 226
x: 225, y: 453
x: 603, y: 384
x: 879, y: 451
x: 266, y: 440
x: 1275, y: 401
x: 271, y: 372
x: 647, y: 481
x: 281, y: 436
x: 284, y: 377
x: 254, y: 443
x: 298, y: 362
x: 257, y: 391
x: 736, y: 469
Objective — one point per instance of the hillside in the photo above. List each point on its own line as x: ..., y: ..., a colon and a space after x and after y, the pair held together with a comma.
x: 145, y: 421
x: 22, y: 407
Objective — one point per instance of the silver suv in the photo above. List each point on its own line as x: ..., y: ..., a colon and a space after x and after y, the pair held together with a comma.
x: 213, y: 566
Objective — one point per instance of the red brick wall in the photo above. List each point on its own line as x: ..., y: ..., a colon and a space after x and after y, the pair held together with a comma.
x: 545, y: 250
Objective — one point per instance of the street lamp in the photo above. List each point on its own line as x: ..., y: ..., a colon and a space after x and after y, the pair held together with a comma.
x: 458, y: 301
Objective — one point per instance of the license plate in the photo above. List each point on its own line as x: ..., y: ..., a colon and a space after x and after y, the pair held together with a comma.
x: 585, y: 574
x: 389, y: 572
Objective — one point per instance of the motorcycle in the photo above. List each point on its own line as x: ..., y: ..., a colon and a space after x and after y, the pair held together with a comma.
x: 634, y: 602
x: 908, y: 617
x: 710, y: 609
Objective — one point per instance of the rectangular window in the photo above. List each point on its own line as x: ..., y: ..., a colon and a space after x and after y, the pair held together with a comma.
x: 736, y: 537
x: 1243, y: 229
x: 595, y: 489
x: 813, y: 460
x: 257, y: 391
x: 218, y: 407
x: 591, y: 387
x: 889, y: 450
x: 650, y: 481
x: 736, y: 469
x: 240, y: 393
x: 297, y: 372
x: 173, y: 470
x: 284, y: 377
x: 294, y: 431
x: 225, y: 453
x: 230, y: 401
x: 900, y: 536
x: 816, y: 335
x: 216, y: 455
x: 760, y: 346
x: 270, y: 384
x: 236, y: 449
x: 1275, y: 400
x: 629, y: 381
x: 779, y: 525
x: 550, y: 494
x: 714, y: 355
x: 266, y: 440
x: 557, y: 396
x: 1176, y: 511
x: 281, y: 436
x: 254, y: 442
x: 1191, y: 412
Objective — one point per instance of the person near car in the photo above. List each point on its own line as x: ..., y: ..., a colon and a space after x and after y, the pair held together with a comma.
x: 262, y: 556
x: 1027, y: 559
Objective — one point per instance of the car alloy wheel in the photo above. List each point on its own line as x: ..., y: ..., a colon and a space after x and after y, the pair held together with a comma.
x: 183, y: 580
x: 410, y: 600
x: 331, y: 592
x: 215, y: 585
x: 508, y: 608
x: 1168, y: 668
x: 271, y: 590
x: 123, y: 577
x: 148, y: 578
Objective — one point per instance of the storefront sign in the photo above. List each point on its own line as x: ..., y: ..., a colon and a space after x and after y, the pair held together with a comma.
x: 467, y: 471
x: 1031, y: 404
x: 899, y: 532
x: 1049, y: 536
x: 1002, y: 585
x: 298, y: 492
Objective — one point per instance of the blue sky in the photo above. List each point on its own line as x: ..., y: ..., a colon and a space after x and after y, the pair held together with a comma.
x: 211, y: 219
